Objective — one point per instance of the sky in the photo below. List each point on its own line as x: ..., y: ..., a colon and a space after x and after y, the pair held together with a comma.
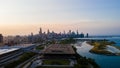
x: 96, y: 17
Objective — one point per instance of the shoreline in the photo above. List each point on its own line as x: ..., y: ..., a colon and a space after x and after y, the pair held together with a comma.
x: 99, y: 52
x: 108, y: 50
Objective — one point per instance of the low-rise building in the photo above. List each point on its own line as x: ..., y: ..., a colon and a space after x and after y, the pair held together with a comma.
x: 59, y: 51
x: 58, y: 55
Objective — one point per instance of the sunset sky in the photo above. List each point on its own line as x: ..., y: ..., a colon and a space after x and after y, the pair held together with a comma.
x: 97, y: 17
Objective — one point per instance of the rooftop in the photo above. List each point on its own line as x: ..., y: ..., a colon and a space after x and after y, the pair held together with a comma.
x: 59, y: 49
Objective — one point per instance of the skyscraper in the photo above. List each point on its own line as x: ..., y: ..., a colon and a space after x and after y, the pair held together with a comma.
x: 87, y: 35
x: 40, y: 32
x: 82, y: 35
x: 48, y: 32
x: 77, y: 32
x: 70, y: 32
x: 1, y: 38
x: 64, y: 32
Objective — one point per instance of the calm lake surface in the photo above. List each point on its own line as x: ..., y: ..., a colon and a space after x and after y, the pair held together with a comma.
x: 102, y: 60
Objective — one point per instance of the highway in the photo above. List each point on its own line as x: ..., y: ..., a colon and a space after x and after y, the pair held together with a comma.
x: 14, y: 56
x: 9, y: 58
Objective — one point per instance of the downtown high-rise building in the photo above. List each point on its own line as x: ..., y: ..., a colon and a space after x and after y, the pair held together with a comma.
x: 1, y: 38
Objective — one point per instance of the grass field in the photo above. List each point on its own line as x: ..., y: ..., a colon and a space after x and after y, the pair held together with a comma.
x: 40, y: 47
x: 56, y: 62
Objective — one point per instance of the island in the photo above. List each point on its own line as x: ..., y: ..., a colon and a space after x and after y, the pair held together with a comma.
x: 104, y: 47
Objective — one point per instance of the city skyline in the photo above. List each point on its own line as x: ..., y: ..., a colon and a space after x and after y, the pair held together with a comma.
x: 21, y: 17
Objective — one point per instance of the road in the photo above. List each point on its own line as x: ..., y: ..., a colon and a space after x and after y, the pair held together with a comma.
x: 10, y: 58
x: 14, y: 56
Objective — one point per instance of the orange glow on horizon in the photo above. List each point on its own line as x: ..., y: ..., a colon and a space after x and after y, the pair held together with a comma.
x: 25, y: 29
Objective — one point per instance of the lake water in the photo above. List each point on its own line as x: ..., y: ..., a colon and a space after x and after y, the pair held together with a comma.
x: 116, y: 40
x: 102, y: 60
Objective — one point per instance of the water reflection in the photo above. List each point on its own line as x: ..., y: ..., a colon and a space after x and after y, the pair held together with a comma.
x: 102, y: 60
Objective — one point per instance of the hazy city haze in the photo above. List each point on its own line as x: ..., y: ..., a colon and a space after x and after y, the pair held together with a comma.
x: 90, y: 16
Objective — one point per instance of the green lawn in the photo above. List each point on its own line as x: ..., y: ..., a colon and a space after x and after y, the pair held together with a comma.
x: 40, y: 47
x: 53, y: 67
x: 56, y: 62
x: 22, y: 59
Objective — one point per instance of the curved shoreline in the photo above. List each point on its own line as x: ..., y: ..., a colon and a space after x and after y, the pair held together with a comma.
x: 88, y: 47
x: 107, y: 50
x: 101, y: 60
